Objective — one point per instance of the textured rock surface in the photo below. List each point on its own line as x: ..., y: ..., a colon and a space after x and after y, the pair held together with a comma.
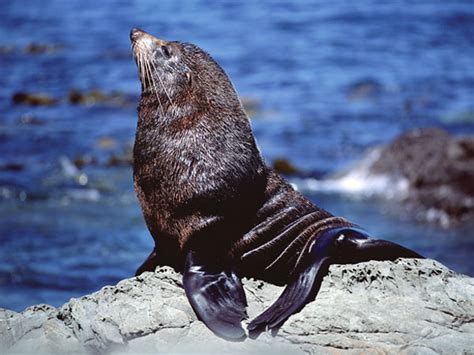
x: 409, y: 305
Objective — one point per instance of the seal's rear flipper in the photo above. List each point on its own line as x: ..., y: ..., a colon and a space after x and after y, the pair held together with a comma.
x: 301, y: 290
x: 334, y: 246
x: 216, y: 295
x: 294, y: 297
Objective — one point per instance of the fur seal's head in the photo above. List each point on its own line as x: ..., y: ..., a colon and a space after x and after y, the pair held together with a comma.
x: 181, y: 77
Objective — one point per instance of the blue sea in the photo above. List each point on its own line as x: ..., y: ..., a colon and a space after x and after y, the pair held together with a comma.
x: 330, y: 79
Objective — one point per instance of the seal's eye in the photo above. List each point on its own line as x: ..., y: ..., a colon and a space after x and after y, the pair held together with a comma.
x: 166, y: 51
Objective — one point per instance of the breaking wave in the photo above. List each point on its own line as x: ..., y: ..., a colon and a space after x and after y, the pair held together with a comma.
x: 359, y: 180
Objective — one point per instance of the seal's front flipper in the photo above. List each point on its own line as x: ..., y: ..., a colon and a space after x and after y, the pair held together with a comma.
x: 149, y: 264
x: 334, y: 246
x: 216, y: 295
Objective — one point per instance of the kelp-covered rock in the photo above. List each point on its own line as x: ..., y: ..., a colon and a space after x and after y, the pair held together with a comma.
x: 42, y: 48
x: 98, y: 97
x: 33, y: 99
x: 284, y: 166
x: 408, y: 305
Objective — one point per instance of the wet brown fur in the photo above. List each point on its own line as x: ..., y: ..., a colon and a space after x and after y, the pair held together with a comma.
x: 200, y: 178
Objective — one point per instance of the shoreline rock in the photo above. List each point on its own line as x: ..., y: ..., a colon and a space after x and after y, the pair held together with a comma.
x: 426, y: 172
x: 407, y: 305
x: 439, y: 170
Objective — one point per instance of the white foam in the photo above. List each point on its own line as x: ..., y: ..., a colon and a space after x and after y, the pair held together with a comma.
x: 83, y: 194
x: 360, y: 181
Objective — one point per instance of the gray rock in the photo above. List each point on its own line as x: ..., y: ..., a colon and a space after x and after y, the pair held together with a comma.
x: 427, y: 172
x: 410, y: 306
x: 439, y: 169
x: 434, y: 173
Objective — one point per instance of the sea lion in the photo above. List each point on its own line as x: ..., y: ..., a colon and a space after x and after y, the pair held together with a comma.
x: 215, y: 211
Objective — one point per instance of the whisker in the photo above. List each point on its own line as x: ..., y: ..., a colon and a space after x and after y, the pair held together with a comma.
x: 139, y: 65
x: 153, y: 87
x: 142, y: 71
x: 152, y: 78
x: 146, y: 68
x: 163, y: 85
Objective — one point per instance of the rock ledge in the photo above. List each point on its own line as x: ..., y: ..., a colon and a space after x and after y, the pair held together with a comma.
x: 407, y: 305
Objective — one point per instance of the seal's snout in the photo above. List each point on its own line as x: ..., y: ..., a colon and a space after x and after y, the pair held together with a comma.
x: 136, y: 33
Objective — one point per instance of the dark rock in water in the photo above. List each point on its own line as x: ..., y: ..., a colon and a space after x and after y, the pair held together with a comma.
x: 95, y: 97
x: 428, y: 171
x: 11, y: 167
x: 41, y: 48
x: 124, y: 158
x: 74, y: 96
x: 284, y: 166
x: 365, y: 89
x: 439, y: 169
x: 33, y: 99
x: 6, y: 49
x: 84, y: 160
x: 120, y: 160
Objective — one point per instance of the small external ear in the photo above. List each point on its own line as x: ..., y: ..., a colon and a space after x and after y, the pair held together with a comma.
x: 170, y: 49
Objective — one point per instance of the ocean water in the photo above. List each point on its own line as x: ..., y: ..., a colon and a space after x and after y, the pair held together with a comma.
x: 331, y: 80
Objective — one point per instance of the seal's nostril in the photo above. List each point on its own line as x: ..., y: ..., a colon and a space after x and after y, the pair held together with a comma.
x: 135, y: 33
